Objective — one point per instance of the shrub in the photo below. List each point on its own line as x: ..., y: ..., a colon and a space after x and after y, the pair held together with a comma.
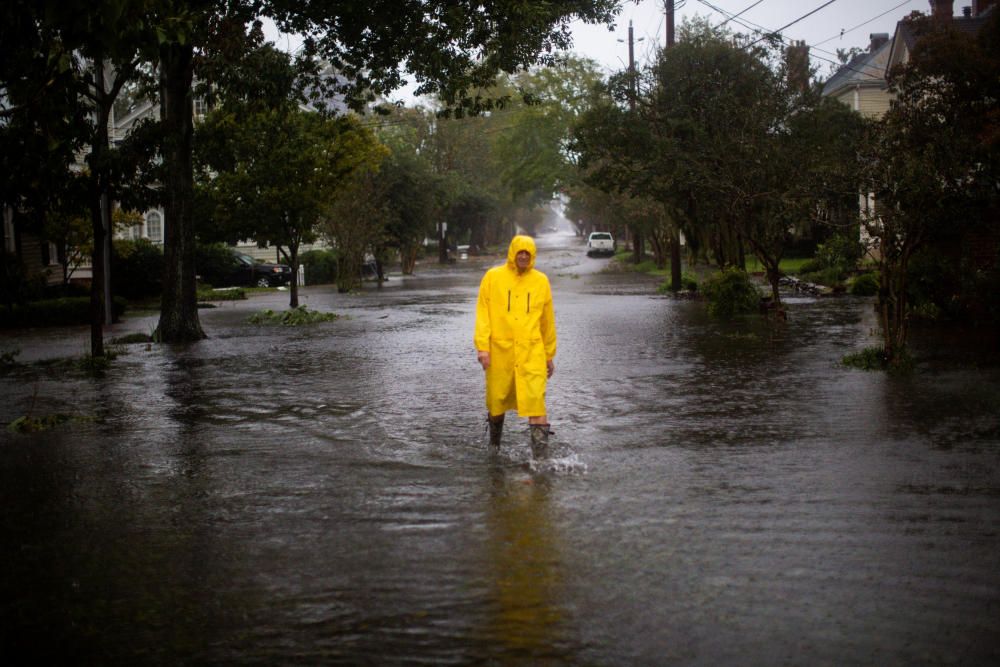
x: 71, y: 289
x: 839, y: 252
x: 731, y: 292
x: 811, y: 266
x: 292, y: 317
x: 53, y: 312
x: 865, y: 285
x: 132, y: 338
x: 15, y: 284
x: 29, y: 424
x: 874, y: 359
x: 834, y: 260
x: 831, y: 276
x: 136, y: 269
x: 689, y: 282
x: 320, y: 266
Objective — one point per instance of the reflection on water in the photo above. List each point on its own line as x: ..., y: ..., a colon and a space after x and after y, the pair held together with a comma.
x: 718, y: 494
x: 523, y: 546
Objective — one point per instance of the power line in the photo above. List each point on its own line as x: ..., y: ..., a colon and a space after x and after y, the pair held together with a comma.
x: 757, y: 28
x: 735, y: 16
x: 788, y: 25
x: 844, y: 32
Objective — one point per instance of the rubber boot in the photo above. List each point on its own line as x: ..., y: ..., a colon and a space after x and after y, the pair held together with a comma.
x: 539, y: 439
x: 496, y: 430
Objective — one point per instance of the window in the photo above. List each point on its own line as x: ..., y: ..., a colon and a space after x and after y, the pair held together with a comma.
x: 154, y: 226
x: 200, y: 107
x: 136, y: 232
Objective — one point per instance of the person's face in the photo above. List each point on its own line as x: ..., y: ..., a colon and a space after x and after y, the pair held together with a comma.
x: 523, y: 260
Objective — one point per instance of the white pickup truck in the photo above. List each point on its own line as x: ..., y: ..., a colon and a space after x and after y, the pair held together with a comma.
x: 600, y: 243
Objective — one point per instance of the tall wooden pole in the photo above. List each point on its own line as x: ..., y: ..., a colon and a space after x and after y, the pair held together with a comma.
x: 638, y: 250
x: 675, y: 234
x: 669, y: 7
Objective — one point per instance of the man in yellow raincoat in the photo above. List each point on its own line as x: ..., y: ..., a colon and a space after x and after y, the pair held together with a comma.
x: 515, y: 341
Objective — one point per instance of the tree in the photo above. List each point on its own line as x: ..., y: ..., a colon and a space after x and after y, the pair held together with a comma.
x: 931, y: 163
x: 355, y: 221
x: 448, y: 46
x: 736, y: 155
x: 412, y: 191
x: 412, y: 197
x: 66, y: 63
x: 280, y: 173
x: 533, y: 146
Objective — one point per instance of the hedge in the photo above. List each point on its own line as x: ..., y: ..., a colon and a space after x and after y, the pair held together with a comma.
x: 53, y: 312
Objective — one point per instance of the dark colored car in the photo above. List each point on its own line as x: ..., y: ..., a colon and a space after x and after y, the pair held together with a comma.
x: 244, y: 271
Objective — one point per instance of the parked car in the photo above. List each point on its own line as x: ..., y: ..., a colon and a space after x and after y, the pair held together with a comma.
x: 600, y: 243
x: 244, y: 271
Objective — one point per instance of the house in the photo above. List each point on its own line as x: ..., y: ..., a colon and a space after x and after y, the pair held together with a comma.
x: 38, y: 257
x: 861, y: 84
x: 971, y: 21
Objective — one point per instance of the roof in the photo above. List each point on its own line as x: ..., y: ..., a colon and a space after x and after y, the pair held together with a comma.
x: 865, y: 69
x: 905, y: 38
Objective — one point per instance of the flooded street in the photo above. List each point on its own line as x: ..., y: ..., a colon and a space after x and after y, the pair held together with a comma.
x: 716, y: 493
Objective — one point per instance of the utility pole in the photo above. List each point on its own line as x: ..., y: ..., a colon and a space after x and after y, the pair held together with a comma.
x: 675, y: 234
x: 637, y: 246
x: 669, y: 7
x: 631, y: 68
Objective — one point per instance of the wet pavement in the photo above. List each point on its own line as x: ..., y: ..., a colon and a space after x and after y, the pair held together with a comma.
x: 715, y: 494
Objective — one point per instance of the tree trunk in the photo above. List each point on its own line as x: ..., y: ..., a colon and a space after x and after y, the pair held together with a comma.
x: 408, y: 260
x: 675, y: 258
x: 96, y: 271
x: 179, y: 306
x: 99, y: 305
x: 773, y: 279
x: 892, y: 310
x: 293, y: 257
x: 637, y: 248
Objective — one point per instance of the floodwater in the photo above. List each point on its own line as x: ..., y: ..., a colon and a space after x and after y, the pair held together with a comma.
x: 715, y: 494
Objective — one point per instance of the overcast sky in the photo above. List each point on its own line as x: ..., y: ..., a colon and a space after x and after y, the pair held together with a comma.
x: 821, y: 30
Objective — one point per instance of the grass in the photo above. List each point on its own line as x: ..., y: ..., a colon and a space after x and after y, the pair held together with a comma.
x: 875, y: 359
x: 132, y: 338
x: 231, y: 294
x: 788, y: 266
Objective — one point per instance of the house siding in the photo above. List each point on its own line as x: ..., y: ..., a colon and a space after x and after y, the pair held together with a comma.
x: 874, y: 103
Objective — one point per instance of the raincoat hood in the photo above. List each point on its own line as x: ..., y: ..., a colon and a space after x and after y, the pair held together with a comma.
x: 517, y: 244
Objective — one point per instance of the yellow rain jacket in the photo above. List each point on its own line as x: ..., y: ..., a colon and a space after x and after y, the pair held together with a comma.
x: 516, y: 324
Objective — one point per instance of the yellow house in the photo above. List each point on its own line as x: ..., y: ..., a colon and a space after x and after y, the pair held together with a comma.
x: 861, y: 83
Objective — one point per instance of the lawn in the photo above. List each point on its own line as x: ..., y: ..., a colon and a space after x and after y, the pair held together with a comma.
x: 788, y: 266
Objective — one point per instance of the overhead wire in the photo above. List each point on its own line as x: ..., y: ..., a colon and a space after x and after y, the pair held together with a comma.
x: 788, y: 25
x: 735, y: 16
x: 757, y: 28
x: 860, y: 25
